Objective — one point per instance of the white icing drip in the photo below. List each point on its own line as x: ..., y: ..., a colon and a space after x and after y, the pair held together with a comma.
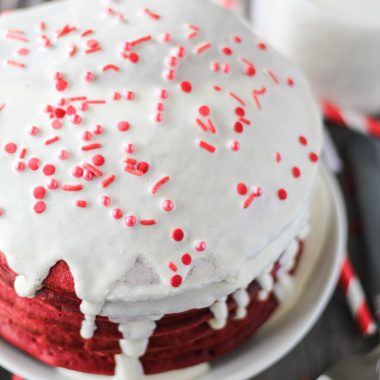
x: 284, y: 287
x: 26, y: 287
x: 266, y: 282
x: 220, y: 311
x: 242, y: 299
x: 90, y: 311
x: 134, y: 344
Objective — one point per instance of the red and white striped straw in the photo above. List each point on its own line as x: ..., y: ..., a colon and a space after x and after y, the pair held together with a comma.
x: 356, y: 298
x: 349, y: 118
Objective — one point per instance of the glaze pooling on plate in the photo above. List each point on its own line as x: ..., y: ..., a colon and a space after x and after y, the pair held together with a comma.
x: 154, y: 151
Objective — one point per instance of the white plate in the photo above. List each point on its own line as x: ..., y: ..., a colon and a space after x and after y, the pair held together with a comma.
x: 314, y: 285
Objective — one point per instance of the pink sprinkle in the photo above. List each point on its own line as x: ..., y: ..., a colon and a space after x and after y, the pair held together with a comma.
x: 10, y: 148
x: 200, y: 246
x: 73, y: 50
x: 140, y: 40
x: 34, y: 131
x: 204, y: 111
x: 235, y: 145
x: 152, y: 15
x: 168, y: 205
x: 89, y: 147
x: 172, y: 266
x: 76, y: 119
x: 89, y: 76
x: 178, y: 234
x: 116, y: 96
x: 39, y: 192
x: 105, y: 200
x: 81, y: 204
x: 108, y: 181
x: 273, y: 76
x: 256, y: 94
x: 61, y: 85
x: 123, y: 126
x: 86, y: 33
x: 130, y: 220
x: 148, y: 222
x: 117, y: 213
x: 159, y: 184
x: 57, y: 124
x: 98, y: 160
x: 16, y: 64
x: 52, y: 140
x: 166, y: 37
x: 135, y: 172
x: 130, y: 95
x: 39, y: 207
x: 34, y: 163
x: 2, y: 106
x: 240, y: 100
x: 111, y: 67
x: 20, y: 166
x: 164, y: 94
x: 130, y: 148
x: 77, y: 171
x: 72, y: 187
x: 86, y: 136
x: 23, y: 51
x: 52, y: 184
x: 278, y: 157
x: 96, y: 172
x: 63, y: 155
x: 203, y: 47
x: 98, y: 129
x: 48, y: 169
x: 290, y: 82
x: 237, y: 39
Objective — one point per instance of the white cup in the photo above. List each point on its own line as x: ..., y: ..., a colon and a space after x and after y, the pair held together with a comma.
x: 336, y: 43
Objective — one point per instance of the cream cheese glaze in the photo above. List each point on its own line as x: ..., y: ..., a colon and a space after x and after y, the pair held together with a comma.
x: 158, y: 147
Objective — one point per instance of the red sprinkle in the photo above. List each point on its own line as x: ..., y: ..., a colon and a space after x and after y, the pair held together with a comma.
x: 77, y: 172
x: 81, y: 204
x: 52, y: 140
x: 123, y: 126
x: 262, y: 46
x: 105, y: 200
x: 72, y: 187
x: 303, y: 140
x: 96, y: 172
x: 186, y: 86
x: 204, y: 111
x: 178, y: 234
x: 86, y: 148
x: 111, y: 67
x: 176, y: 281
x: 39, y: 207
x: 151, y: 14
x: 186, y: 259
x: 168, y: 205
x: 143, y: 166
x: 159, y: 184
x: 313, y: 157
x: 98, y: 160
x: 61, y: 85
x: 48, y: 169
x: 238, y: 127
x: 282, y: 194
x: 52, y: 184
x: 108, y: 181
x: 249, y: 200
x: 172, y: 266
x: 148, y: 222
x: 296, y: 172
x: 242, y: 188
x: 207, y: 146
x: 235, y: 145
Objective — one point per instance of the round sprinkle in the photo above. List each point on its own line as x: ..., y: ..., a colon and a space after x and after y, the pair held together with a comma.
x: 290, y: 82
x: 200, y: 246
x: 98, y: 160
x: 76, y: 119
x: 57, y: 124
x: 237, y: 39
x: 77, y: 172
x: 278, y: 157
x: 130, y: 95
x: 235, y: 145
x: 168, y: 205
x: 204, y: 111
x: 176, y: 281
x: 48, y: 169
x: 186, y: 86
x: 282, y: 194
x: 33, y: 131
x: 178, y: 234
x: 129, y: 148
x: 239, y: 111
x: 39, y: 192
x: 105, y: 200
x: 143, y: 166
x: 242, y: 188
x: 238, y: 127
x: 52, y: 184
x: 186, y: 259
x: 10, y: 148
x: 117, y: 213
x: 134, y: 57
x: 296, y: 172
x: 123, y: 126
x: 61, y: 85
x: 81, y: 204
x: 63, y: 155
x: 130, y: 220
x: 313, y: 157
x: 20, y: 166
x: 88, y: 175
x: 34, y: 163
x: 39, y: 207
x: 98, y: 129
x: 302, y: 140
x: 71, y: 110
x: 250, y: 71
